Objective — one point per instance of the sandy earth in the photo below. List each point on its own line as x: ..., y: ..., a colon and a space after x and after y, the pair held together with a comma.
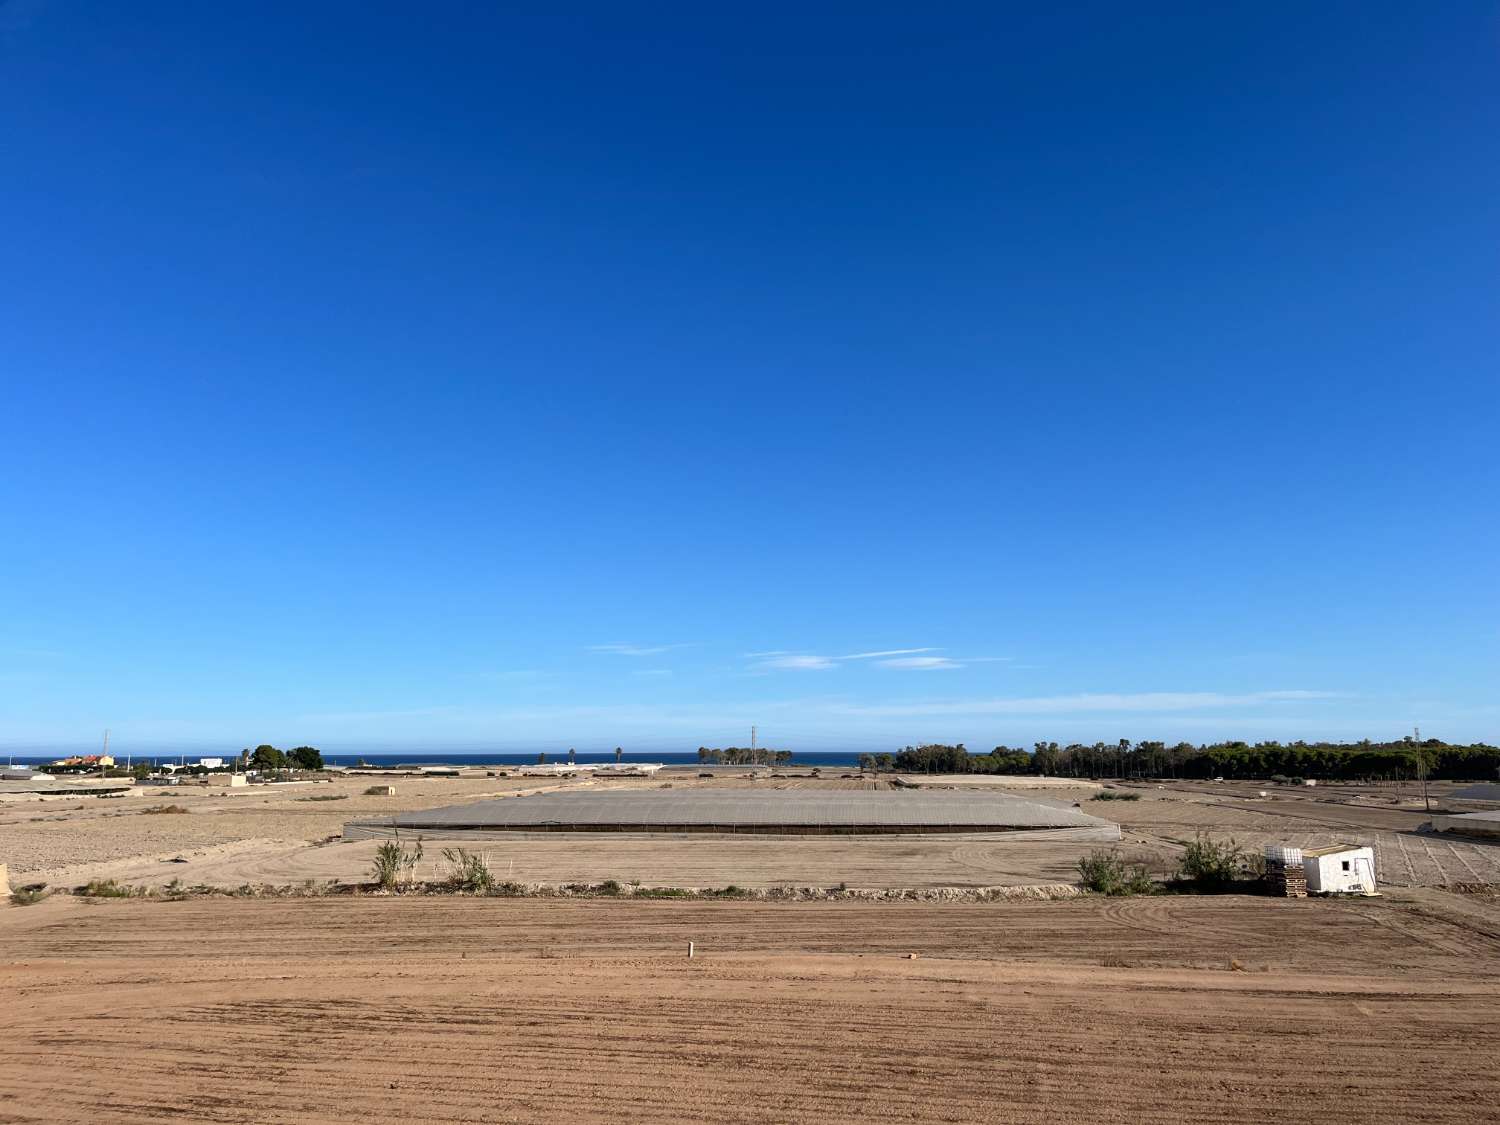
x: 46, y: 836
x: 1166, y: 1009
x: 232, y: 837
x: 1166, y: 817
x: 653, y: 861
x: 468, y: 1010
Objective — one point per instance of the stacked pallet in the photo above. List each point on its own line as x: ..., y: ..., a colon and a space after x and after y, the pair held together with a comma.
x: 1285, y: 873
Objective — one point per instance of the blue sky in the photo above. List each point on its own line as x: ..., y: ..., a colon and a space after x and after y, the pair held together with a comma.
x: 449, y: 377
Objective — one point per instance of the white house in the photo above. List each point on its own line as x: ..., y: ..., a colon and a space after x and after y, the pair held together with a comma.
x: 1340, y: 869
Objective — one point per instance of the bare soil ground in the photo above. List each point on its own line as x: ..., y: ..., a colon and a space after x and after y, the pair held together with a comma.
x: 466, y: 1010
x: 653, y: 861
x: 1165, y: 817
x: 279, y: 836
x: 47, y: 835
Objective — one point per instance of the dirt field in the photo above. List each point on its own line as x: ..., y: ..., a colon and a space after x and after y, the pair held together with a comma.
x: 280, y: 836
x: 465, y: 1010
x: 39, y: 835
x: 1165, y: 817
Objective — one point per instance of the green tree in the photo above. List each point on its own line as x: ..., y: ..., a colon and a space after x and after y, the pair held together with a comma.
x: 265, y: 757
x: 305, y: 758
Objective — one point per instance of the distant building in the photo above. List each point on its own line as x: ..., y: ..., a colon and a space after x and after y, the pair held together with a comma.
x: 211, y: 763
x: 85, y: 762
x: 1480, y: 825
x: 1340, y: 869
x: 631, y: 769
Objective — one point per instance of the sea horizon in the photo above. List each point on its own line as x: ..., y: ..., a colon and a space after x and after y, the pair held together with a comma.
x: 456, y: 757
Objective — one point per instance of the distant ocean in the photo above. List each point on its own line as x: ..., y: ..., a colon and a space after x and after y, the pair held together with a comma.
x: 466, y: 758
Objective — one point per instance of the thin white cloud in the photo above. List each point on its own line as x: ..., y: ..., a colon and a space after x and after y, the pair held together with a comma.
x: 795, y: 662
x: 924, y: 659
x: 632, y: 650
x: 1145, y: 701
x: 920, y: 663
x: 788, y: 660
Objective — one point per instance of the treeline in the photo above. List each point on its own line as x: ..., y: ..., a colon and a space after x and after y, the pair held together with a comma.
x: 267, y: 757
x: 742, y: 756
x: 1333, y: 761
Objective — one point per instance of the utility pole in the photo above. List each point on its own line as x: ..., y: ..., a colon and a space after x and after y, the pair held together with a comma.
x: 1416, y: 738
x: 752, y: 745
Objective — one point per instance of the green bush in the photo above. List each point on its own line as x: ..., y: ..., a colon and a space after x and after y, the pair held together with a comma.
x: 1212, y: 864
x: 395, y: 864
x: 1115, y: 795
x: 107, y: 888
x: 610, y: 887
x: 1107, y: 873
x: 29, y: 896
x: 468, y: 871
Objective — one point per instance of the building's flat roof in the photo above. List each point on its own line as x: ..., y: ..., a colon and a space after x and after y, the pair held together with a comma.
x: 1332, y: 849
x: 1485, y: 791
x: 1485, y: 817
x: 798, y: 810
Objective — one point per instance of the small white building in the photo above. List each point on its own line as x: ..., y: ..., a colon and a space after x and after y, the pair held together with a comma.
x: 1340, y: 869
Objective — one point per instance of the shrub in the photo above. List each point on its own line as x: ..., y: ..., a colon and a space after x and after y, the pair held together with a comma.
x: 107, y: 888
x: 163, y: 810
x: 1107, y: 873
x: 468, y: 871
x: 326, y: 797
x: 1212, y: 864
x: 29, y: 896
x: 1115, y: 795
x: 610, y: 887
x: 395, y: 864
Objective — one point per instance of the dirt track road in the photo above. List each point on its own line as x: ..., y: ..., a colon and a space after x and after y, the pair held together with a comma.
x: 459, y: 1010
